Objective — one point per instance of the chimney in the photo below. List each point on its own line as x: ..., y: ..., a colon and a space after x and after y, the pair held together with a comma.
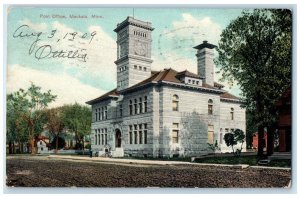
x: 205, y: 56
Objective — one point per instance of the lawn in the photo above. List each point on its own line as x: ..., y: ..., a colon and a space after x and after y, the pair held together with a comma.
x: 250, y: 160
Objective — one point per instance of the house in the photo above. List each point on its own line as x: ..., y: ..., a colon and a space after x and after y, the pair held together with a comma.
x: 255, y: 140
x: 165, y: 113
x: 42, y: 144
x: 284, y: 123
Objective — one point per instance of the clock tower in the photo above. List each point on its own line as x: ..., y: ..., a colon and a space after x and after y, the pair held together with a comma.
x: 134, y: 52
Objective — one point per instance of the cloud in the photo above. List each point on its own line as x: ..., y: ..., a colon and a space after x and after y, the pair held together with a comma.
x: 67, y: 88
x: 199, y: 29
x: 34, y: 26
x: 175, y: 62
x: 101, y: 50
x: 175, y: 45
x: 99, y: 69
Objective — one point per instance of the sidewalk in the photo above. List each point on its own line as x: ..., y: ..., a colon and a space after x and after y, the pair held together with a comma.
x: 148, y: 162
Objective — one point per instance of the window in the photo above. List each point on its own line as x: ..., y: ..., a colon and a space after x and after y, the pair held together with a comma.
x: 105, y: 136
x: 105, y: 112
x: 140, y: 67
x: 175, y: 132
x: 140, y: 106
x: 41, y: 143
x: 145, y: 104
x: 145, y: 69
x: 96, y: 137
x: 193, y: 81
x: 197, y: 82
x: 96, y: 115
x: 210, y: 107
x: 135, y: 137
x: 130, y: 134
x: 226, y: 130
x: 232, y: 113
x: 231, y: 130
x: 135, y: 134
x: 175, y: 102
x: 135, y: 106
x: 145, y: 133
x: 130, y: 107
x: 210, y: 134
x: 99, y: 113
x: 140, y: 134
x: 102, y: 138
x: 189, y: 81
x: 135, y: 66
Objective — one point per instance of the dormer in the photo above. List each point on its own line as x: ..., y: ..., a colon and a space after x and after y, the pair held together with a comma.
x: 189, y: 78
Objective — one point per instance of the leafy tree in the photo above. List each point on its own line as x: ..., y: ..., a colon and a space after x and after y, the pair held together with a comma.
x: 58, y: 142
x: 14, y: 127
x: 232, y: 139
x: 255, y: 50
x: 77, y: 119
x: 55, y: 123
x: 251, y: 128
x: 26, y: 109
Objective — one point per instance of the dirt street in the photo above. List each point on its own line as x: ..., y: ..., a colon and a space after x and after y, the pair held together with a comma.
x: 40, y: 171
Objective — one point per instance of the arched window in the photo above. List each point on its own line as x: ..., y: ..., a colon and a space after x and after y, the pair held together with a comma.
x: 175, y: 102
x: 232, y: 113
x: 210, y: 107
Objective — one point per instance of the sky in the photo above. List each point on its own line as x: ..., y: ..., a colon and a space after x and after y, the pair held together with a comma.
x: 93, y: 71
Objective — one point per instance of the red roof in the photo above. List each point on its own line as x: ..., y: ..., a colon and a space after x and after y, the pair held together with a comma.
x: 188, y: 74
x: 109, y: 94
x: 166, y: 75
x: 227, y: 95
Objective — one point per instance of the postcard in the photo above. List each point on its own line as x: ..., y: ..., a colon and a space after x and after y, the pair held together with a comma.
x: 149, y: 97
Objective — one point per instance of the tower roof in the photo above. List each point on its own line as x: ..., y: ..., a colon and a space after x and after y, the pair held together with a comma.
x: 135, y: 22
x: 205, y: 44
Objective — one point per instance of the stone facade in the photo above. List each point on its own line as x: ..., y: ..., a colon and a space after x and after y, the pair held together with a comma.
x: 165, y: 113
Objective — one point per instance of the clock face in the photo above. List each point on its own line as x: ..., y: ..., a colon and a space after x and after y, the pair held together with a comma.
x: 140, y: 48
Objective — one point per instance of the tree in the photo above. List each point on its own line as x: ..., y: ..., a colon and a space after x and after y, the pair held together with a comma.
x: 55, y: 123
x: 232, y: 139
x: 255, y: 50
x: 58, y: 142
x: 77, y: 119
x: 28, y: 106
